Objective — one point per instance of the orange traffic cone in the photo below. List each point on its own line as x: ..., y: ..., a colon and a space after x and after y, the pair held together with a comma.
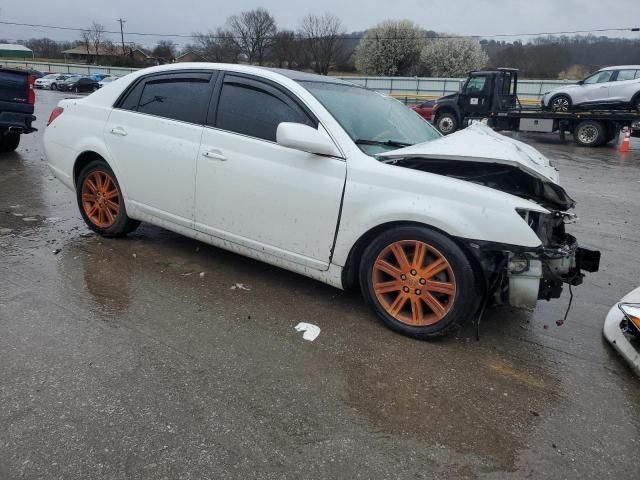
x: 624, y: 146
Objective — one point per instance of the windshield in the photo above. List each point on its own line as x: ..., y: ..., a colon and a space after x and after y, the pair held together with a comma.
x: 374, y: 122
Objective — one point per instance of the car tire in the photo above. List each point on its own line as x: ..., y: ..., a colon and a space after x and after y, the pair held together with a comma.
x: 53, y: 86
x: 101, y: 201
x: 589, y: 133
x: 419, y: 282
x: 447, y: 123
x: 560, y: 103
x: 76, y: 90
x: 9, y: 142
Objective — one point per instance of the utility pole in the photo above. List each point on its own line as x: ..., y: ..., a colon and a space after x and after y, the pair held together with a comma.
x: 121, y: 21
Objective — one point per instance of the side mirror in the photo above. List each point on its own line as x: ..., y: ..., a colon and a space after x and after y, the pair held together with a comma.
x: 305, y: 138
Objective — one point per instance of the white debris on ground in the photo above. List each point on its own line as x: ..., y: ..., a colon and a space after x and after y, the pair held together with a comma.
x: 310, y: 330
x: 240, y: 286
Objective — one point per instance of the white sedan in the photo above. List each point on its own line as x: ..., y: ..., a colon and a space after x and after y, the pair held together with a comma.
x: 326, y: 179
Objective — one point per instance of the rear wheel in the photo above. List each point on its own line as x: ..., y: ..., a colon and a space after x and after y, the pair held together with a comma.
x: 9, y: 142
x: 418, y: 281
x: 560, y: 103
x: 447, y: 123
x: 589, y: 133
x: 101, y: 202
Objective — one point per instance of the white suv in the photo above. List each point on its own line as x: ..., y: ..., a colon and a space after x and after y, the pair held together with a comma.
x: 612, y: 87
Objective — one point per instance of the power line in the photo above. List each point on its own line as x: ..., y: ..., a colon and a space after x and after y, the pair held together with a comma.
x: 342, y: 37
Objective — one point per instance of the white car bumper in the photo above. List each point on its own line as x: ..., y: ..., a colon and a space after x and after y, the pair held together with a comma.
x: 614, y: 335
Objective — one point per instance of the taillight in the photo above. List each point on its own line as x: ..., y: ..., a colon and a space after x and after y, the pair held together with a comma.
x: 31, y: 95
x: 55, y: 114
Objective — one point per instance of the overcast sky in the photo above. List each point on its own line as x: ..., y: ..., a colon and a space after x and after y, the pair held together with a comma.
x: 466, y: 17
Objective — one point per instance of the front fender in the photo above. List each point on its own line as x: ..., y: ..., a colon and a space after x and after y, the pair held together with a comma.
x: 386, y: 193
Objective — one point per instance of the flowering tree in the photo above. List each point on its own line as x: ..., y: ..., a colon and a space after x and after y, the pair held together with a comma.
x: 390, y: 48
x: 452, y: 57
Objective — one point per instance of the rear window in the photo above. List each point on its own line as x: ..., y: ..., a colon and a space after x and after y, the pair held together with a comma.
x: 180, y: 96
x: 627, y: 74
x: 14, y: 86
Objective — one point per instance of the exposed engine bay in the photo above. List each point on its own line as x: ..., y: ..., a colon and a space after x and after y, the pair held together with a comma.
x: 515, y: 275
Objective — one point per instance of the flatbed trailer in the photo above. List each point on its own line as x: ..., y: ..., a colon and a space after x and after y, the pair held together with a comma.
x: 496, y: 103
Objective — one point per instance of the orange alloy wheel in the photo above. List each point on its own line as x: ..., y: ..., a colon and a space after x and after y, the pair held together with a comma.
x: 414, y: 283
x: 100, y: 199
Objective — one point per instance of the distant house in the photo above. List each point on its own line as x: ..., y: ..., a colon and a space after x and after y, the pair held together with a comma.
x: 11, y: 50
x: 87, y: 55
x: 190, y: 57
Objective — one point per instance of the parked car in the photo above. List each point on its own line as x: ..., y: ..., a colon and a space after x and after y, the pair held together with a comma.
x: 17, y: 99
x: 326, y: 179
x: 424, y: 109
x: 78, y: 84
x: 50, y: 81
x: 98, y: 76
x: 611, y: 87
x: 622, y: 328
x: 107, y: 80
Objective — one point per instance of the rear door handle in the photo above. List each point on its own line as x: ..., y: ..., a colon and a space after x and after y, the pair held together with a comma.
x: 119, y: 131
x: 214, y: 155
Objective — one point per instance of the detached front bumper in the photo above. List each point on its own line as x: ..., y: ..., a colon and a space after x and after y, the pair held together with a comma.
x: 616, y: 333
x: 520, y: 276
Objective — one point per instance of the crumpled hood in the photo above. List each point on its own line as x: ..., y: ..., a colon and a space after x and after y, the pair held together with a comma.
x: 479, y: 143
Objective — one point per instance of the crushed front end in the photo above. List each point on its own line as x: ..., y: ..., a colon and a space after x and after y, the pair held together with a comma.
x: 521, y: 276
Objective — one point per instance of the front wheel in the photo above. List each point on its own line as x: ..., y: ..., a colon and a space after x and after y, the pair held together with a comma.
x: 101, y: 202
x: 560, y: 103
x: 419, y: 282
x: 54, y: 86
x: 447, y: 123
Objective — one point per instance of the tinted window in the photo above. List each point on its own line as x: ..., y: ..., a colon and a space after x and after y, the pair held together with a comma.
x: 626, y: 75
x: 130, y: 101
x: 255, y: 112
x: 180, y: 97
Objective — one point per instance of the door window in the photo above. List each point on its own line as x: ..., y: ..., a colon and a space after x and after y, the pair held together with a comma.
x: 626, y: 75
x: 179, y: 97
x: 475, y: 85
x: 599, y: 77
x: 251, y: 108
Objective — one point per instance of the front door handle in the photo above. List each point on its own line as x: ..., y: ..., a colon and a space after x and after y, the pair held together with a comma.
x: 214, y: 155
x: 119, y: 131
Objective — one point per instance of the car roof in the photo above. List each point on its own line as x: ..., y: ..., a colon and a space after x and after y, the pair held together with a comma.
x: 621, y: 67
x: 294, y: 75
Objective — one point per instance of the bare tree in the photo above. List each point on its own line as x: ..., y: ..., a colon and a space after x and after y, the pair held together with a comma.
x: 323, y: 41
x: 286, y: 49
x: 165, y: 49
x: 218, y: 46
x: 96, y: 37
x: 253, y: 32
x: 85, y: 40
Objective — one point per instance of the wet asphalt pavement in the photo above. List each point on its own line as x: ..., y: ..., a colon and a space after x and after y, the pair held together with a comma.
x: 135, y: 358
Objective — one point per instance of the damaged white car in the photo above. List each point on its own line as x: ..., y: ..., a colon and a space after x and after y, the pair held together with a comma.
x: 326, y: 179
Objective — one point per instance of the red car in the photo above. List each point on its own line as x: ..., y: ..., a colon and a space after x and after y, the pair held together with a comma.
x: 424, y: 109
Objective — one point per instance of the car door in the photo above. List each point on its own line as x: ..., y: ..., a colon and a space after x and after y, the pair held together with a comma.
x: 258, y: 194
x: 595, y: 89
x: 154, y: 135
x: 625, y: 86
x: 475, y: 95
